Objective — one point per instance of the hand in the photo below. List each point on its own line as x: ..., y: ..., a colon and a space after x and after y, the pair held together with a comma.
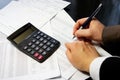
x: 93, y: 32
x: 81, y: 54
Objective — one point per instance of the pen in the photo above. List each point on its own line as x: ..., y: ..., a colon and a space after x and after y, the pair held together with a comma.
x: 90, y: 18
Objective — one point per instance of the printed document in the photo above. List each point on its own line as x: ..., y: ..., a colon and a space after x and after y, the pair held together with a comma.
x: 38, y: 12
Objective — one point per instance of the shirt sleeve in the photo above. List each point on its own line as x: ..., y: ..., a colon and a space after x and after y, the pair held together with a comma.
x: 95, y: 67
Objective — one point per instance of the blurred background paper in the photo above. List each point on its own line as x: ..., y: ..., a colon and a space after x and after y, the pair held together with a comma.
x: 3, y: 3
x: 19, y: 12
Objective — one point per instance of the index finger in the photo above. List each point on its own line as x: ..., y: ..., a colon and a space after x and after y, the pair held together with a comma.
x: 78, y: 24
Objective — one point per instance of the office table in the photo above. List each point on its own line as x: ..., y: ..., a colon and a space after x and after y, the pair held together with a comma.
x: 59, y: 27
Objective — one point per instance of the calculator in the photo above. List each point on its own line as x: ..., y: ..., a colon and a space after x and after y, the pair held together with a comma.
x: 33, y: 42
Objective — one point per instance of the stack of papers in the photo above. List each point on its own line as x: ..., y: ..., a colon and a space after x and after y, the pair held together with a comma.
x: 38, y: 12
x: 17, y: 66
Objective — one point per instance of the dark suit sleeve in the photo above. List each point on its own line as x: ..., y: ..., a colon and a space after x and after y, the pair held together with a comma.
x: 111, y: 39
x: 111, y: 34
x: 110, y: 69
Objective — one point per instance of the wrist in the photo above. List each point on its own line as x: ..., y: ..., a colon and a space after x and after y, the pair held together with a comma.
x: 89, y: 63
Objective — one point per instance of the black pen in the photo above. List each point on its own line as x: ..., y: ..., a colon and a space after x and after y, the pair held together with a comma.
x: 83, y: 26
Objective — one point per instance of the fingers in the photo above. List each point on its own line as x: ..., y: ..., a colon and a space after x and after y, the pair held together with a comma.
x: 73, y: 46
x: 83, y: 33
x: 78, y: 24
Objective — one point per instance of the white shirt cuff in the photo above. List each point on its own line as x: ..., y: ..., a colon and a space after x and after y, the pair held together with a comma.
x: 95, y: 67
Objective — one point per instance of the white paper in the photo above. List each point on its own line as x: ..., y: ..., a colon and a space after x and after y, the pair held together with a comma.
x: 38, y: 12
x: 62, y: 31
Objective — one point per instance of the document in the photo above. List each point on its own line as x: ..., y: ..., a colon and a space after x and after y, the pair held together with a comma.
x: 38, y: 12
x: 62, y: 30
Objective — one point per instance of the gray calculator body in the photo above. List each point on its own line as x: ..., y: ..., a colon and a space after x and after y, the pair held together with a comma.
x: 34, y: 43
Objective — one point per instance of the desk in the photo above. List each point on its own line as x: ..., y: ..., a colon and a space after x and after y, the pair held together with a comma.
x: 60, y: 27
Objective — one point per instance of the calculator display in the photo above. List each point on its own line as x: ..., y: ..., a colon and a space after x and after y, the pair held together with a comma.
x: 34, y: 43
x: 23, y: 35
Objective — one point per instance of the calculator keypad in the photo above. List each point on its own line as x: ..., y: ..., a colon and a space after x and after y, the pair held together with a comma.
x: 41, y: 46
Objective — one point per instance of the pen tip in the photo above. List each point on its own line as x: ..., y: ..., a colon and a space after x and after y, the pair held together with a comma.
x: 73, y: 37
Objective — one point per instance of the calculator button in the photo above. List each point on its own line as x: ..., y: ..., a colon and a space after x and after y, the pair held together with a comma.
x: 45, y: 36
x: 48, y: 43
x: 37, y: 42
x: 33, y: 46
x: 41, y: 39
x: 48, y: 49
x: 37, y: 37
x: 44, y: 53
x: 30, y: 43
x: 37, y: 48
x: 48, y: 38
x: 34, y: 40
x: 41, y: 44
x: 38, y: 32
x: 44, y: 47
x: 25, y: 47
x: 29, y: 49
x: 52, y: 40
x: 41, y: 34
x: 36, y: 54
x: 52, y: 45
x: 40, y: 50
x: 44, y: 41
x: 32, y: 52
x: 40, y: 57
